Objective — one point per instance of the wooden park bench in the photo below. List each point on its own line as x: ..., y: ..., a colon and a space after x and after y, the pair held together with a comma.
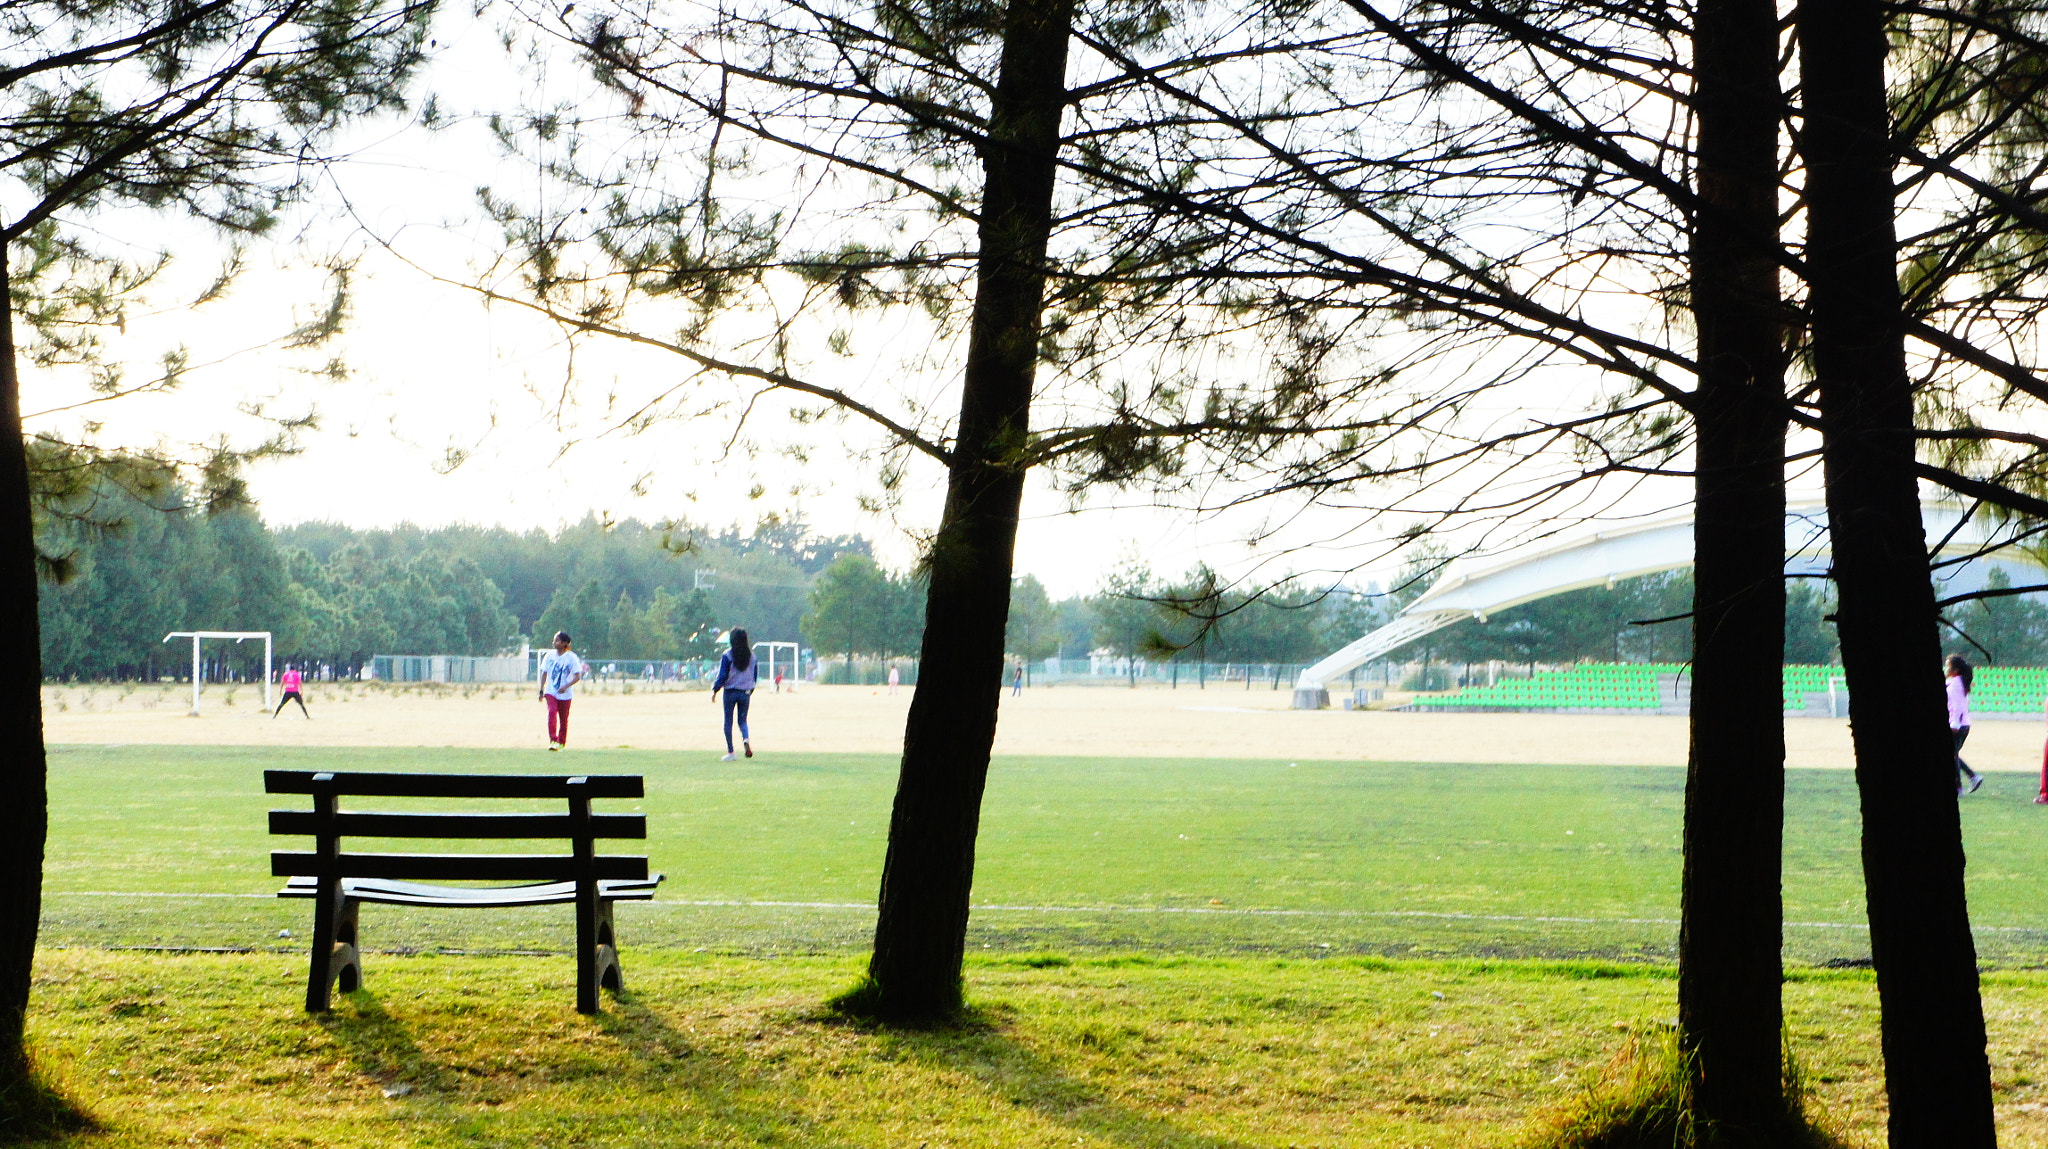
x: 340, y: 882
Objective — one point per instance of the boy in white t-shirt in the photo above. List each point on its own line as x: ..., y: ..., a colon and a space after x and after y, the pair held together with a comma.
x: 559, y: 674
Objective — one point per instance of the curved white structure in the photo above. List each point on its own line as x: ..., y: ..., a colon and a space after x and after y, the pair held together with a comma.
x: 1476, y: 588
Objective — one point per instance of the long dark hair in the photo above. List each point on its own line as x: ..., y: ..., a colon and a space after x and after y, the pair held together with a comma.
x: 742, y: 650
x: 1960, y: 668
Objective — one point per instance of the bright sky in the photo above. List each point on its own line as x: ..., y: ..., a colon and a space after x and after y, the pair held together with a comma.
x: 433, y: 375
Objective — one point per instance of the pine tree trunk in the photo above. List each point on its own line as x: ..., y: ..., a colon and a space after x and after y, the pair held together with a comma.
x: 1936, y: 1073
x: 1730, y: 940
x: 921, y: 933
x: 24, y: 816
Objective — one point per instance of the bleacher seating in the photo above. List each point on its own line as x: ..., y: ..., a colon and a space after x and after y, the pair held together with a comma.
x: 1587, y: 686
x: 1634, y: 687
x: 2009, y: 689
x: 1801, y: 681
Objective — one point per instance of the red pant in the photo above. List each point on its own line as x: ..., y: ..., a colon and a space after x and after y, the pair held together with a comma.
x: 558, y: 719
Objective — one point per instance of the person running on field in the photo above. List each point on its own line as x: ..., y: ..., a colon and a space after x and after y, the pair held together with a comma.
x: 737, y: 672
x: 559, y: 674
x: 289, y: 681
x: 1959, y: 677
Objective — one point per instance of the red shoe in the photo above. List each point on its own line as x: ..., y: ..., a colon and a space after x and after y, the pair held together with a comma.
x: 748, y: 747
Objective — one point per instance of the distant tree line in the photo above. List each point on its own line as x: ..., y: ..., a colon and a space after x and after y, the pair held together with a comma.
x: 859, y: 609
x: 140, y: 566
x: 146, y: 569
x: 1646, y: 619
x: 2002, y: 630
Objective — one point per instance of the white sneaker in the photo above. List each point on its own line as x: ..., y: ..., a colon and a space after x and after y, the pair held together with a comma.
x: 730, y: 758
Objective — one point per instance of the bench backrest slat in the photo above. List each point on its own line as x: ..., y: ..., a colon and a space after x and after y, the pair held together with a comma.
x: 327, y: 824
x: 379, y: 825
x: 455, y: 867
x: 450, y: 785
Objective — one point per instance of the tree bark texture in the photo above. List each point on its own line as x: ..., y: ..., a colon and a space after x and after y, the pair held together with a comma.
x: 1937, y: 1076
x: 24, y: 815
x: 928, y: 875
x: 1730, y: 939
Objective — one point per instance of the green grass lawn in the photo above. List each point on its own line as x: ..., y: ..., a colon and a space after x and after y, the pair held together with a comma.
x: 1124, y: 1053
x: 1207, y: 954
x: 1202, y: 856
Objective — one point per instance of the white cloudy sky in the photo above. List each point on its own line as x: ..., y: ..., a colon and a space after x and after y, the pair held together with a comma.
x: 432, y: 370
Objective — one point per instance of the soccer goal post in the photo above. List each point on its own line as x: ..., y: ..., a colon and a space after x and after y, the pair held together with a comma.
x: 198, y: 674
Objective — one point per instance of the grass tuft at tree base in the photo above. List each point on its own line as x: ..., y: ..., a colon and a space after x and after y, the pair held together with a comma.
x: 865, y: 1004
x: 1644, y: 1099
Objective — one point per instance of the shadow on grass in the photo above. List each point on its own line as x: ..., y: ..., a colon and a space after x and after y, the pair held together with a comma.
x: 33, y: 1111
x: 744, y: 1095
x: 734, y: 1093
x: 1013, y: 1072
x: 381, y: 1048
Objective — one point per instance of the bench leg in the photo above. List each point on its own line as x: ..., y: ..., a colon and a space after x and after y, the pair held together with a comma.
x: 348, y: 957
x: 597, y: 955
x: 586, y: 946
x: 334, y: 948
x: 608, y: 948
x: 320, y: 962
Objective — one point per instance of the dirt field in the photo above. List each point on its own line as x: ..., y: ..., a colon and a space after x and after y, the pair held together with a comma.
x: 1149, y: 723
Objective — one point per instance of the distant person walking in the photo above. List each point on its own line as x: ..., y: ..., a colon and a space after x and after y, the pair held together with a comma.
x: 737, y: 673
x: 1960, y: 675
x: 559, y: 674
x: 1017, y: 682
x: 289, y: 682
x: 894, y: 678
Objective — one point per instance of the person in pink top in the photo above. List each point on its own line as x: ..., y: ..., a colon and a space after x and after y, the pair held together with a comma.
x: 2041, y: 799
x: 289, y: 680
x: 1959, y: 677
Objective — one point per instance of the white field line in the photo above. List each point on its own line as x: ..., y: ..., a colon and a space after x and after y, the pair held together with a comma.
x: 1224, y: 911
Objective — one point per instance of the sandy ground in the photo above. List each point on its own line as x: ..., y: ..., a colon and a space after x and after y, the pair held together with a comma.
x: 1152, y: 723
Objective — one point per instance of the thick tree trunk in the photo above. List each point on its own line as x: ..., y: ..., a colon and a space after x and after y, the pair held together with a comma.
x: 1936, y: 1073
x: 24, y: 816
x: 929, y: 872
x: 1730, y: 941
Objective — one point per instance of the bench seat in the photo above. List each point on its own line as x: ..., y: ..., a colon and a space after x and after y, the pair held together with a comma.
x: 384, y: 891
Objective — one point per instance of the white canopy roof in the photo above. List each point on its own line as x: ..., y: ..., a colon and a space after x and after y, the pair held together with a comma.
x: 1476, y: 588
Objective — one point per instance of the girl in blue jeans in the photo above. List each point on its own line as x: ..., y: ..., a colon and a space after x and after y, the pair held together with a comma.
x: 737, y: 671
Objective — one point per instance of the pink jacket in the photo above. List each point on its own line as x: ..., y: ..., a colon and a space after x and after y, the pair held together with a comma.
x: 1958, y: 703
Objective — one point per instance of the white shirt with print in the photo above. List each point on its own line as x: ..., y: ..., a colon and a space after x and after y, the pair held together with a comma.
x: 558, y: 671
